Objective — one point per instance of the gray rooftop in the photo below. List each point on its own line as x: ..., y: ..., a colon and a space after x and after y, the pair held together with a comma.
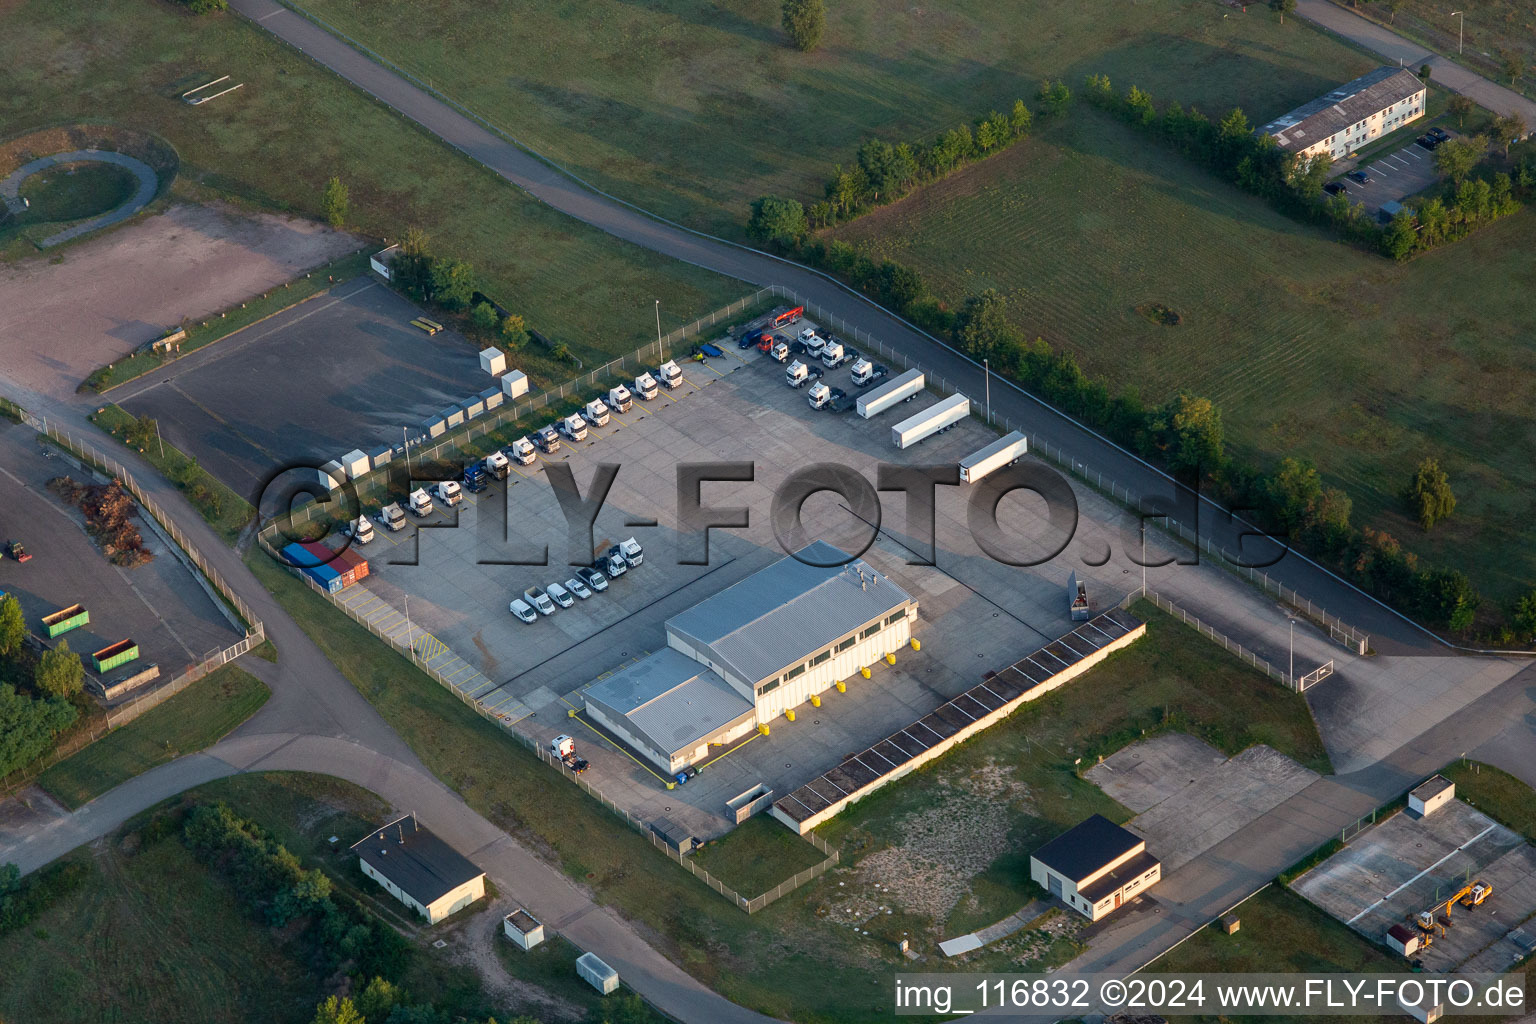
x: 1347, y: 105
x: 417, y: 861
x: 670, y: 700
x: 788, y: 610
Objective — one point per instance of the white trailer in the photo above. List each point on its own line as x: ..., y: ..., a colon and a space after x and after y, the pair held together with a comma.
x: 1003, y: 452
x: 930, y: 421
x: 909, y: 385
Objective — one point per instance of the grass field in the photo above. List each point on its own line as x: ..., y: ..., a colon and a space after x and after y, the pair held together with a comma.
x: 70, y: 192
x: 798, y: 958
x: 195, y: 718
x: 1497, y: 794
x: 757, y: 855
x: 1492, y: 27
x: 276, y: 141
x: 694, y: 108
x: 1311, y: 349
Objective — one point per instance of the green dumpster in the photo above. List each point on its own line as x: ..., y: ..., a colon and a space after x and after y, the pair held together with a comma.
x: 66, y: 619
x: 120, y: 653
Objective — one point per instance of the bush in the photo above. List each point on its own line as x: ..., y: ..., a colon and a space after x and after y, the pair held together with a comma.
x: 206, y: 6
x: 777, y: 220
x: 805, y: 21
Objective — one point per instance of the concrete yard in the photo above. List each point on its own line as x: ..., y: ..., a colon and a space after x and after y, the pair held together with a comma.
x: 344, y: 370
x: 976, y: 614
x: 1403, y: 865
x: 1188, y: 796
x: 160, y: 605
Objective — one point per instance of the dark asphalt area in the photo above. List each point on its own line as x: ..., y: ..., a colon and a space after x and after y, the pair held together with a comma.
x: 344, y: 370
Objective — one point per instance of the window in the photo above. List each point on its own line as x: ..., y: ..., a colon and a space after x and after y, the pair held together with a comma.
x: 768, y: 687
x: 792, y: 673
x: 892, y: 620
x: 823, y: 656
x: 871, y: 631
x: 845, y: 644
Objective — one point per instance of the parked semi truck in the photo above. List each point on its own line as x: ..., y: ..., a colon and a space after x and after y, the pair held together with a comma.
x: 421, y: 503
x: 1005, y: 451
x: 671, y: 375
x: 448, y: 492
x: 574, y: 427
x: 522, y: 450
x: 930, y: 421
x: 498, y: 465
x: 619, y: 399
x: 645, y: 386
x: 596, y: 413
x: 866, y: 373
x: 392, y: 517
x: 903, y: 389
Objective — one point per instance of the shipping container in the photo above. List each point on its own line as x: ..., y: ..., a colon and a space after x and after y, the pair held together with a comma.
x: 999, y: 453
x: 120, y: 653
x: 328, y: 579
x: 66, y: 619
x: 351, y: 563
x: 930, y: 421
x: 908, y: 385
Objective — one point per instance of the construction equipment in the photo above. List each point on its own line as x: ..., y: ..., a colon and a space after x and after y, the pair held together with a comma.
x: 16, y: 551
x: 1473, y: 894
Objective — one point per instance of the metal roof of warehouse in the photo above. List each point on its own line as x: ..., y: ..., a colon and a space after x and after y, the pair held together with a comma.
x: 1345, y: 106
x: 415, y: 860
x: 788, y: 610
x: 670, y: 700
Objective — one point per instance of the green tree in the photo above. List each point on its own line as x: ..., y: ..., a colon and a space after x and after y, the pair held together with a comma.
x: 805, y: 21
x: 453, y: 282
x: 28, y: 726
x: 1393, y: 6
x: 1446, y: 596
x: 13, y: 626
x: 1398, y: 239
x: 514, y: 331
x: 206, y: 6
x: 1284, y: 7
x: 337, y: 1011
x: 483, y: 315
x: 1508, y: 130
x: 1525, y: 617
x: 1192, y: 434
x: 1513, y: 65
x: 1455, y: 158
x: 1020, y: 119
x: 1054, y: 97
x: 1099, y: 90
x: 412, y: 266
x: 1429, y: 494
x: 1139, y: 103
x: 59, y: 672
x: 982, y: 327
x: 379, y: 999
x: 1460, y: 107
x: 777, y: 220
x: 1294, y: 492
x: 333, y: 202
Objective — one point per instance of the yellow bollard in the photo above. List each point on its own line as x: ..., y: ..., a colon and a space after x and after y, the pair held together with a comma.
x: 815, y: 700
x: 570, y: 712
x: 864, y: 672
x: 917, y: 644
x: 890, y: 659
x: 790, y: 714
x: 762, y: 728
x: 671, y: 785
x: 842, y: 687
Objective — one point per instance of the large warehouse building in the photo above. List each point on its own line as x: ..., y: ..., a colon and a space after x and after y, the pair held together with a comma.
x: 751, y: 652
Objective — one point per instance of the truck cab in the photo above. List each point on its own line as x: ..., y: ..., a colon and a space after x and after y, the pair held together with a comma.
x: 448, y: 492
x: 522, y: 450
x: 671, y: 375
x: 547, y: 440
x: 540, y: 600
x: 564, y: 748
x: 813, y: 342
x: 645, y: 386
x: 392, y: 517
x: 798, y: 374
x: 832, y: 355
x: 619, y: 399
x: 779, y: 351
x: 421, y: 503
x: 633, y: 553
x: 475, y: 477
x: 866, y: 373
x: 497, y: 465
x: 361, y: 530
x: 820, y: 396
x: 574, y: 427
x: 612, y: 564
x: 595, y: 413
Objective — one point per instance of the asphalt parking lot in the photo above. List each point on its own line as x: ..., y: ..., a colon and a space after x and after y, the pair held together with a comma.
x: 159, y: 605
x: 1404, y: 865
x: 1394, y: 176
x: 344, y: 370
x: 976, y: 614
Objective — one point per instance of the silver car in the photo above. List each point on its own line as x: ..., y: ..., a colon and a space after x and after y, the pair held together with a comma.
x: 578, y: 588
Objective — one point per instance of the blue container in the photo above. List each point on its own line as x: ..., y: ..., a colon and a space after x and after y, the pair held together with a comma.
x: 329, y: 579
x: 297, y: 555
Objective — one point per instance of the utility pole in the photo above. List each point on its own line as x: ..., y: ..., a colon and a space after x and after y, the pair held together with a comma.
x: 1461, y: 25
x: 661, y: 353
x: 986, y: 369
x: 160, y: 439
x: 1143, y: 558
x: 410, y: 640
x: 1293, y: 653
x: 405, y: 446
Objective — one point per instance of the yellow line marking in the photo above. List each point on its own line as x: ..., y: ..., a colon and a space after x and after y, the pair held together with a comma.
x: 621, y: 750
x: 733, y: 750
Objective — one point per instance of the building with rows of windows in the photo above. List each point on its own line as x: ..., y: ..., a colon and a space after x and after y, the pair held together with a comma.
x: 1351, y: 115
x: 739, y: 659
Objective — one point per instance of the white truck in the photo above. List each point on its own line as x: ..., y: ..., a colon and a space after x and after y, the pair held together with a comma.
x: 421, y: 503
x: 448, y: 492
x: 619, y: 399
x: 595, y: 413
x: 903, y: 389
x: 564, y: 748
x: 645, y: 386
x: 574, y: 427
x: 498, y: 465
x: 540, y: 600
x: 392, y: 517
x: 779, y: 351
x: 1005, y: 451
x: 930, y: 421
x: 633, y: 553
x: 548, y: 440
x: 820, y: 395
x: 523, y: 451
x: 798, y: 374
x: 866, y: 373
x: 361, y: 530
x: 671, y: 374
x: 833, y: 355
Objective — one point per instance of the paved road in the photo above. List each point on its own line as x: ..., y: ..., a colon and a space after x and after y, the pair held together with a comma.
x: 1393, y: 48
x: 1390, y: 632
x: 148, y: 185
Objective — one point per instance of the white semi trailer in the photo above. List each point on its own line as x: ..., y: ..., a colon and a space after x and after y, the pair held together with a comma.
x: 930, y: 421
x: 1002, y: 452
x: 908, y: 385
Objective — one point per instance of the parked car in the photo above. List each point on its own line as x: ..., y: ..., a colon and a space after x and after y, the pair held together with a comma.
x: 1360, y: 176
x: 1429, y: 142
x: 523, y: 610
x: 1438, y: 134
x: 612, y: 564
x: 558, y: 594
x: 578, y: 588
x: 1335, y: 188
x: 593, y: 578
x: 540, y: 600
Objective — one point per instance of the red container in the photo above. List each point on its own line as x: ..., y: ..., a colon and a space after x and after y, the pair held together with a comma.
x: 351, y: 565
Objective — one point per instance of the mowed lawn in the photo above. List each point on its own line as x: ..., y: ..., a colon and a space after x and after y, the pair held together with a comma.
x: 278, y: 139
x: 1311, y: 348
x: 1491, y: 28
x: 197, y: 717
x: 696, y: 107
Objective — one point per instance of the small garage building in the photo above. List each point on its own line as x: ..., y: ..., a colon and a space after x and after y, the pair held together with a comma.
x: 1095, y: 867
x: 419, y: 869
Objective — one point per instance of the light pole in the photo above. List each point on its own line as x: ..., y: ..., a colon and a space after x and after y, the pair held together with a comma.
x: 1461, y: 25
x: 1293, y: 653
x: 986, y: 370
x: 410, y: 641
x: 661, y: 352
x: 1143, y: 558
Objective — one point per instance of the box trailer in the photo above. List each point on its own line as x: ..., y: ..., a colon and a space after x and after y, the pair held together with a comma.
x: 930, y: 421
x: 909, y: 385
x: 1003, y: 452
x: 110, y: 657
x: 66, y: 619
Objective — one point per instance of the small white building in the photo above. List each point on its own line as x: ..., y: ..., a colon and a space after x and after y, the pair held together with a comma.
x: 1430, y: 795
x: 514, y: 384
x: 1095, y: 867
x: 523, y: 928
x: 419, y: 869
x: 597, y: 974
x: 382, y: 261
x: 493, y: 361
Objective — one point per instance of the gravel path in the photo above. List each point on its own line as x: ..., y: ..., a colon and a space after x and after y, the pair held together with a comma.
x: 149, y: 183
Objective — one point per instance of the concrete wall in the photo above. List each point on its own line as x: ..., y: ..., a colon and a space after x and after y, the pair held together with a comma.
x: 985, y: 722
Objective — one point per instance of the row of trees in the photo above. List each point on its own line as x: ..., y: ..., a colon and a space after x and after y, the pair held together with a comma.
x: 883, y: 172
x: 449, y: 282
x: 1468, y: 202
x: 31, y: 721
x: 383, y: 1003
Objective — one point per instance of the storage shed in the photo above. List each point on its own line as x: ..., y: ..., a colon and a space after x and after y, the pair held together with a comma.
x: 597, y: 974
x: 419, y: 869
x: 356, y: 463
x: 523, y: 928
x: 493, y: 361
x: 1430, y: 795
x: 1095, y: 867
x: 514, y: 384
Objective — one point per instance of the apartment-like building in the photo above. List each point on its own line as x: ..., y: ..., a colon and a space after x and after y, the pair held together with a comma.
x: 1351, y: 115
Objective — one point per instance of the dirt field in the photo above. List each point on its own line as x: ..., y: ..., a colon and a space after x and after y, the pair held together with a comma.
x: 59, y: 321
